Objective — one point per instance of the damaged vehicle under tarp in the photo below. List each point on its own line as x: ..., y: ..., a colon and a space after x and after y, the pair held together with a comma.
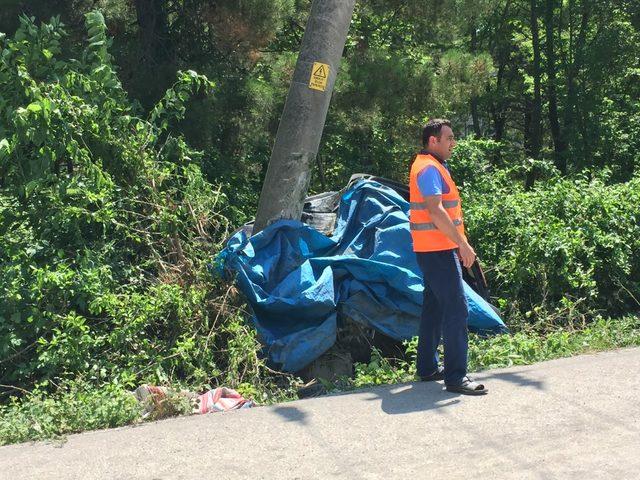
x: 346, y: 271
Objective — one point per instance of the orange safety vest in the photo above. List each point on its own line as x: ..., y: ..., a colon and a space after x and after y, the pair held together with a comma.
x: 426, y: 236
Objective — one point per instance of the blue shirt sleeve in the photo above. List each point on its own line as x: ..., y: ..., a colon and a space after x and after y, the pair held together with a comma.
x: 430, y: 181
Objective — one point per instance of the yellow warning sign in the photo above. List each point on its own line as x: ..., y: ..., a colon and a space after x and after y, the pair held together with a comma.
x: 319, y: 76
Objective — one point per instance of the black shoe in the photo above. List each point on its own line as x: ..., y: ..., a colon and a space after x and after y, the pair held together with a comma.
x: 468, y: 387
x: 437, y: 375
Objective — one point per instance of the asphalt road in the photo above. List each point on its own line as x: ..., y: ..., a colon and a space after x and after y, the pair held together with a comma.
x: 575, y: 418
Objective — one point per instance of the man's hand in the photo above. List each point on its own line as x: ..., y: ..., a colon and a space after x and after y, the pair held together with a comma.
x: 441, y: 218
x: 467, y: 254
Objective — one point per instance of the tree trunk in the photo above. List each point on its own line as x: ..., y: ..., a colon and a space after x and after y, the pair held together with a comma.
x: 577, y: 90
x: 497, y: 113
x: 475, y: 116
x: 321, y: 176
x: 533, y: 142
x: 552, y: 97
x: 155, y: 70
x: 474, y: 100
x: 298, y: 138
x: 154, y: 30
x: 570, y: 74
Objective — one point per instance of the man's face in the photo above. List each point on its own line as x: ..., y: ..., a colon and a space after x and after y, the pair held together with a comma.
x: 443, y: 146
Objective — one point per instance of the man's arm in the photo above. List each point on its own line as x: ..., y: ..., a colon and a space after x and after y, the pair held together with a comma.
x: 441, y: 219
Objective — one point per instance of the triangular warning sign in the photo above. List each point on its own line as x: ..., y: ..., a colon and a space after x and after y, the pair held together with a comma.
x: 319, y: 76
x: 320, y: 72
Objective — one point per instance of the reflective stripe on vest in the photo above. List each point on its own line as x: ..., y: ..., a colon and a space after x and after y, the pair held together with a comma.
x: 423, y: 205
x: 431, y: 225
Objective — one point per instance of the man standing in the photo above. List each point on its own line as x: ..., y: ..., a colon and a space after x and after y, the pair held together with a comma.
x: 437, y: 230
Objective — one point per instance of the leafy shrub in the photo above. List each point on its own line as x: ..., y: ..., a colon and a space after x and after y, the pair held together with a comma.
x: 525, y: 347
x: 75, y: 407
x: 565, y: 248
x: 567, y: 245
x: 379, y: 371
x: 107, y: 226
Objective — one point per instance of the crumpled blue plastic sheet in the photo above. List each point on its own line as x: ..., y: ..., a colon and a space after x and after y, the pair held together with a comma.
x: 299, y: 282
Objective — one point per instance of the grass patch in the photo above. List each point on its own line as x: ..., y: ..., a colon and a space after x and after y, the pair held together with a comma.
x: 78, y: 406
x: 74, y: 407
x: 521, y: 348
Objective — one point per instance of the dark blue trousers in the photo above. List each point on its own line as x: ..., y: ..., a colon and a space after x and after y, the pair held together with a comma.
x: 444, y: 316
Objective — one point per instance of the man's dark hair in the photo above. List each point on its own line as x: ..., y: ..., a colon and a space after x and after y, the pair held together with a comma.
x: 433, y: 129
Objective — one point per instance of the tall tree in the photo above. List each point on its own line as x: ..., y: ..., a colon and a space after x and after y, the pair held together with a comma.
x: 552, y: 95
x: 573, y: 67
x: 533, y: 135
x: 533, y: 100
x: 475, y: 115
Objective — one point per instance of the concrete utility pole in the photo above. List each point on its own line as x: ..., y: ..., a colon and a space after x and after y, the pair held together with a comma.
x: 287, y: 181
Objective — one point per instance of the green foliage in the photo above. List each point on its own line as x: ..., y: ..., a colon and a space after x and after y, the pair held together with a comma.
x: 108, y: 216
x: 107, y: 226
x: 173, y: 105
x: 403, y: 63
x: 621, y: 126
x: 567, y: 247
x: 75, y: 407
x: 522, y: 348
x: 461, y: 76
x: 527, y: 347
x: 380, y: 371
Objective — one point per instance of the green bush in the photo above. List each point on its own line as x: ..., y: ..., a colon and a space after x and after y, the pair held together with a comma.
x: 75, y: 407
x: 106, y: 229
x: 525, y: 347
x: 565, y: 248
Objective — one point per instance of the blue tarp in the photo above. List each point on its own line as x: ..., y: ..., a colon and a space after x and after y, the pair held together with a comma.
x: 300, y: 282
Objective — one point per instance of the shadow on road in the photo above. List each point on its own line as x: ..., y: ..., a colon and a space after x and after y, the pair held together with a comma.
x: 413, y: 397
x: 291, y: 414
x: 406, y: 398
x: 518, y: 378
x: 422, y: 396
